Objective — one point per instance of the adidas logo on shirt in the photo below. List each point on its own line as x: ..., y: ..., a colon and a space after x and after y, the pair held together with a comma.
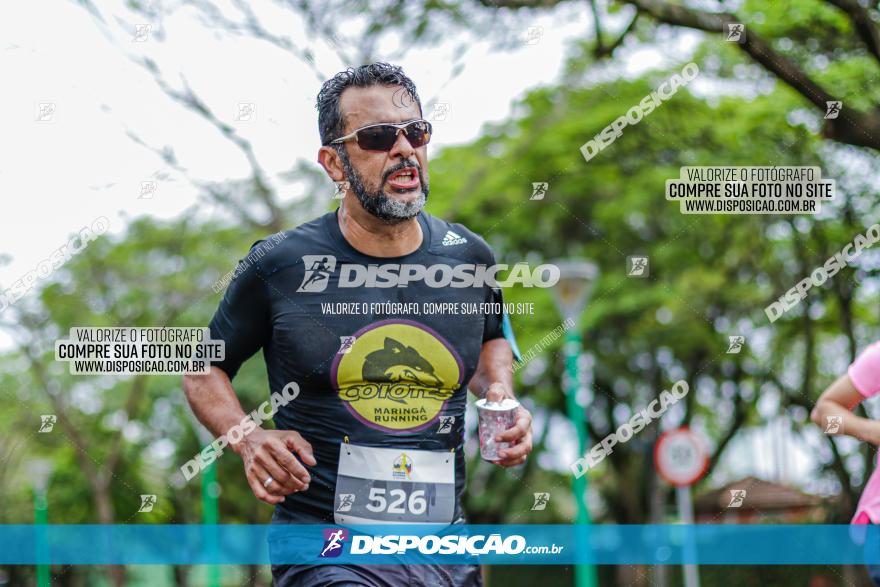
x: 451, y: 239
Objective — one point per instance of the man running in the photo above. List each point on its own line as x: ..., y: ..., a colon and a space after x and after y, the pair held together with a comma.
x: 377, y: 431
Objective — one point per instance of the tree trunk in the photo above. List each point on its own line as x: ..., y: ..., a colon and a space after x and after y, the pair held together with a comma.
x: 181, y: 576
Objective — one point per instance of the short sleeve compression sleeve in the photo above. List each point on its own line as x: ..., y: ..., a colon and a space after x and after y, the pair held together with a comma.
x: 242, y: 319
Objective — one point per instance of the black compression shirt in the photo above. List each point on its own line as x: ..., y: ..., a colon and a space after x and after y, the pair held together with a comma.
x: 402, y: 376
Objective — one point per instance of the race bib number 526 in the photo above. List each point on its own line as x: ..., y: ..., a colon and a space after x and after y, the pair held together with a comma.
x: 385, y: 485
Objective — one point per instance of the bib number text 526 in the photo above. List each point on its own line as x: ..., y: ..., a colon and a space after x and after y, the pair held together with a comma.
x: 396, y: 501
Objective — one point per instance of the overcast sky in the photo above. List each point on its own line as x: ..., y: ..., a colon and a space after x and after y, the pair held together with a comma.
x: 62, y: 173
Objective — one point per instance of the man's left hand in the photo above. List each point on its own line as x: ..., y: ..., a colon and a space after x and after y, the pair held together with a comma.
x: 519, y: 437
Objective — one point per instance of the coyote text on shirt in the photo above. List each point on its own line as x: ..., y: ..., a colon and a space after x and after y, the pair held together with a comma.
x: 382, y: 393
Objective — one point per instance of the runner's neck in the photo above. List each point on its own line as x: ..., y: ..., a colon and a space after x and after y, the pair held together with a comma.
x: 371, y: 236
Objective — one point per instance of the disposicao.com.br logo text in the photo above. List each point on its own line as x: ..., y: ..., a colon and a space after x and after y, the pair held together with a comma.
x: 448, y: 545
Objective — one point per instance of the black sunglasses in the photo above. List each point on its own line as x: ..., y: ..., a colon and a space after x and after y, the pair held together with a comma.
x: 382, y: 136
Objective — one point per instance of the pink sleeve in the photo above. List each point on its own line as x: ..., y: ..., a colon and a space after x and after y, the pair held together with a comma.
x: 865, y: 371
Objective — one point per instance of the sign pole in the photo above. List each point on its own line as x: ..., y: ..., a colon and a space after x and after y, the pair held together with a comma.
x: 686, y: 515
x: 681, y: 459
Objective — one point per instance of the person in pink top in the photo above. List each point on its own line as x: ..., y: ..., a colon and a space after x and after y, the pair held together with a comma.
x: 833, y: 412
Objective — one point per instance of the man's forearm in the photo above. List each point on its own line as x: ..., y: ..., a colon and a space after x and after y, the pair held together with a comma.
x: 495, y: 366
x: 213, y: 400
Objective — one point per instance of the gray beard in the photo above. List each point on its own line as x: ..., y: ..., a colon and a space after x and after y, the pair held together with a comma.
x: 378, y: 203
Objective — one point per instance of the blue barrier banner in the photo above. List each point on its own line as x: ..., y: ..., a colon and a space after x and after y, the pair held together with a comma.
x: 707, y: 544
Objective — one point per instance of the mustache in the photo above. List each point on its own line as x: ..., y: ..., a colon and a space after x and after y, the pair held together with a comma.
x: 403, y: 165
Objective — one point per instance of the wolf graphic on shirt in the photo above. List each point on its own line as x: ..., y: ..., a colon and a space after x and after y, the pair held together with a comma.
x: 396, y: 362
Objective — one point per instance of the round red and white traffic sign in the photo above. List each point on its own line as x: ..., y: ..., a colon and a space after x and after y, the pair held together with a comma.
x: 681, y: 457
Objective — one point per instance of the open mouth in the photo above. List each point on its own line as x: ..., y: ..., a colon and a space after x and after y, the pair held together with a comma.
x: 405, y: 179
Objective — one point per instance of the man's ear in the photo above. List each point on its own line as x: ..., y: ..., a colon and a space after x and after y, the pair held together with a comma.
x: 329, y: 159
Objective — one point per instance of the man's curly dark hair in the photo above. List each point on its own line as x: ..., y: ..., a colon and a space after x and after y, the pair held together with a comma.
x: 330, y: 123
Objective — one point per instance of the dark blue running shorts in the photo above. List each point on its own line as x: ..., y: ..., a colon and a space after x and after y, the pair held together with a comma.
x: 376, y: 576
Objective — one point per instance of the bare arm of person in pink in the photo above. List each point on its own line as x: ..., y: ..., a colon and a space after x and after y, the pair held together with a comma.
x: 833, y: 412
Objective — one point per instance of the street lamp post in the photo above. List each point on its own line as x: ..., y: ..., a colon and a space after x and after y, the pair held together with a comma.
x: 210, y: 494
x: 576, y: 279
x: 211, y: 515
x: 39, y: 471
